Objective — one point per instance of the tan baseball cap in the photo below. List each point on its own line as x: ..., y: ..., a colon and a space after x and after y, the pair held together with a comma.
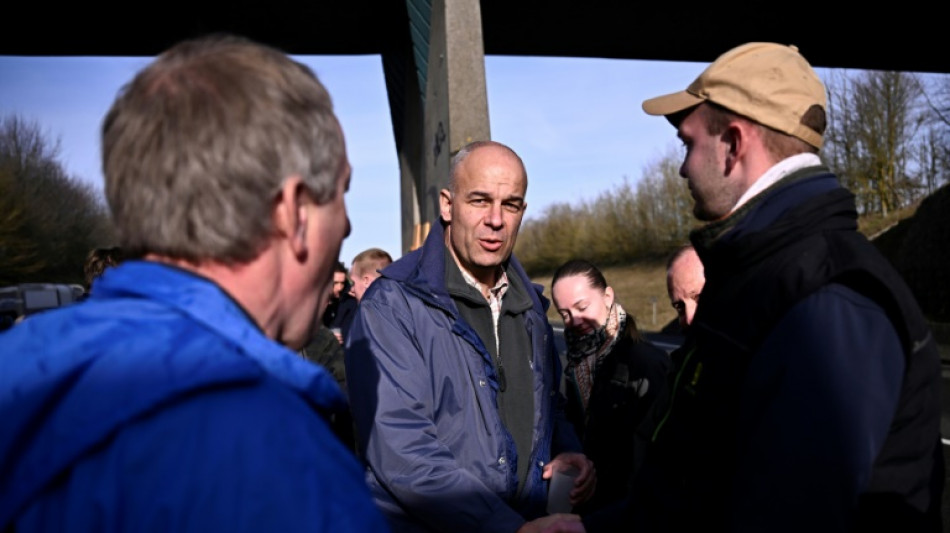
x: 769, y: 83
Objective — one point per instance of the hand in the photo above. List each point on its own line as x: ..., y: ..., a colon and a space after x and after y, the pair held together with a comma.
x: 586, y: 480
x: 555, y: 523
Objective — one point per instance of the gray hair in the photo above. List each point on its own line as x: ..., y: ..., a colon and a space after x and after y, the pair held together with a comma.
x: 198, y: 144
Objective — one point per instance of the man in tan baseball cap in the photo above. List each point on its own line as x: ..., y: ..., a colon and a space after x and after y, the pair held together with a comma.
x: 765, y: 92
x: 807, y: 397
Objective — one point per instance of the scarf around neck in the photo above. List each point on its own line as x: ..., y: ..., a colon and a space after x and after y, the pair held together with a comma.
x: 586, y: 352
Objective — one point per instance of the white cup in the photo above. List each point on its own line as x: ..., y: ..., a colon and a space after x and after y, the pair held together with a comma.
x: 559, y: 492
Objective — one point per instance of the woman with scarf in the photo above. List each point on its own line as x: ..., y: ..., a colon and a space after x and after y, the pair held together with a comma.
x: 612, y: 376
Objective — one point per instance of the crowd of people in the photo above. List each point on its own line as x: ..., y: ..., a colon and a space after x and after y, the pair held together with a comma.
x: 228, y: 372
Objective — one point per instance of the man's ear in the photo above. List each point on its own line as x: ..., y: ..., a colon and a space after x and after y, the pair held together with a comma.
x: 445, y: 205
x: 734, y: 139
x: 291, y: 215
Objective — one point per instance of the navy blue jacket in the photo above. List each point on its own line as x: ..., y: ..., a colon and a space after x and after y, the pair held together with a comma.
x: 423, y: 392
x: 807, y: 396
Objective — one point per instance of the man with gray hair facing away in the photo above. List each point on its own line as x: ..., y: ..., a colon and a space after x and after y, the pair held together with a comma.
x: 172, y: 399
x: 808, y: 396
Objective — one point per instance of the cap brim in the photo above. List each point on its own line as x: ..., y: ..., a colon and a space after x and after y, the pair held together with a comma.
x: 670, y: 103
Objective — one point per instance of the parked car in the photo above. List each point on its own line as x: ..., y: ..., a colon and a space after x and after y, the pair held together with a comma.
x: 24, y: 299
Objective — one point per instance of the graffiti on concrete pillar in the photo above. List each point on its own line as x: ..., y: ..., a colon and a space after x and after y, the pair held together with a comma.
x: 438, y: 141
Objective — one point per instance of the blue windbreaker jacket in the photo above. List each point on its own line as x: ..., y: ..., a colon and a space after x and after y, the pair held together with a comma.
x: 158, y: 405
x: 424, y: 397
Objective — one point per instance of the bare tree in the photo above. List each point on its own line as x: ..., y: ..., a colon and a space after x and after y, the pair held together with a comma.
x: 878, y: 124
x: 667, y: 200
x: 49, y: 219
x: 936, y: 91
x: 626, y: 223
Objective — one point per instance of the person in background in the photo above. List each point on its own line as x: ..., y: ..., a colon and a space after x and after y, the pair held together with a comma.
x: 613, y: 375
x: 341, y: 302
x: 453, y: 372
x: 362, y: 273
x: 808, y: 398
x: 97, y: 261
x: 326, y: 345
x: 326, y: 348
x: 173, y: 399
x: 365, y: 269
x: 684, y: 283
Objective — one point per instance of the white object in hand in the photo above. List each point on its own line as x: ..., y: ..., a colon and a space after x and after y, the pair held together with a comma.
x: 559, y: 492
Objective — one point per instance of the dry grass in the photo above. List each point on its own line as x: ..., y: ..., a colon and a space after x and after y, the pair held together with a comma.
x: 640, y: 289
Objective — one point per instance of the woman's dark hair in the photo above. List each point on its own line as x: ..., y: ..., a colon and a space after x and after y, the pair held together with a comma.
x: 100, y: 259
x: 582, y: 267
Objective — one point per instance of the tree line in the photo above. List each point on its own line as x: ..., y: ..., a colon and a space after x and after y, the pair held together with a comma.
x: 888, y: 140
x: 49, y: 220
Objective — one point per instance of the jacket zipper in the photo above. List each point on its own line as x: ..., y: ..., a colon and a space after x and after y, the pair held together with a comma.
x: 679, y: 375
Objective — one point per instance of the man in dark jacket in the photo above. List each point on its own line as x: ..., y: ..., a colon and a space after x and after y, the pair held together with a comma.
x: 342, y: 305
x: 452, y: 370
x: 807, y: 398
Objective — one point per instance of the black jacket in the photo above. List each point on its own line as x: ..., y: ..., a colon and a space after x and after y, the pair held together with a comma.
x: 808, y: 393
x: 625, y: 385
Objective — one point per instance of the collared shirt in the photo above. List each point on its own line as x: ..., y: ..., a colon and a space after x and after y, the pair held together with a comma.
x: 495, y: 295
x: 777, y: 172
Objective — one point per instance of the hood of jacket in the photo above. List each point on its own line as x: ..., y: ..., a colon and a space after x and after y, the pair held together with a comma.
x: 149, y: 334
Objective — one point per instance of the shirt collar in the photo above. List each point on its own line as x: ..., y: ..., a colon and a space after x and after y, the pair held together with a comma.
x: 499, y: 290
x: 777, y: 172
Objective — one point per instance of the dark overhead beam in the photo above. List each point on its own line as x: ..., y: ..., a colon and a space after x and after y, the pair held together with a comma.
x: 901, y: 36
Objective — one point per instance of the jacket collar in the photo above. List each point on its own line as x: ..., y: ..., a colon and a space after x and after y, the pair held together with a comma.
x: 423, y: 272
x: 805, y: 202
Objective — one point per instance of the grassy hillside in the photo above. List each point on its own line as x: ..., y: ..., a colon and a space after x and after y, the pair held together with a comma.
x: 638, y: 287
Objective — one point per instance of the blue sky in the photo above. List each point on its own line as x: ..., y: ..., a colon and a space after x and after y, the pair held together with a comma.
x: 576, y: 122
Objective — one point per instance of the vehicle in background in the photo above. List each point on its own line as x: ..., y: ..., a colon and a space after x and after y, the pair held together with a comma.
x: 25, y: 299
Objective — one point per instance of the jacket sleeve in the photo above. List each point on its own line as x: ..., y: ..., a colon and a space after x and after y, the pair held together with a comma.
x: 564, y: 438
x: 392, y: 398
x: 816, y: 408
